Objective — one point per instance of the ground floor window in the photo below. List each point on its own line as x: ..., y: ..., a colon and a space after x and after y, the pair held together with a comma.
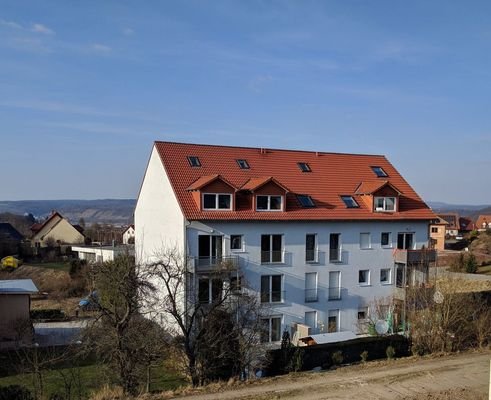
x: 333, y: 321
x: 271, y: 329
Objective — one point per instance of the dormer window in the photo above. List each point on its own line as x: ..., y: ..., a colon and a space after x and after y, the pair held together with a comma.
x: 217, y: 201
x: 305, y: 201
x: 243, y: 164
x: 379, y: 171
x: 385, y: 204
x: 194, y: 161
x: 350, y: 202
x: 304, y: 167
x: 269, y: 203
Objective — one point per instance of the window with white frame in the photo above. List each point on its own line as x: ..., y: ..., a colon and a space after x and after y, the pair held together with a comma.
x: 311, y: 319
x: 236, y: 243
x: 385, y: 204
x: 217, y: 201
x: 333, y: 321
x: 271, y: 249
x: 364, y: 277
x: 209, y: 290
x: 271, y: 329
x: 385, y: 276
x: 365, y: 240
x: 311, y: 248
x: 311, y: 294
x: 362, y: 313
x: 386, y: 239
x: 269, y: 203
x: 271, y: 288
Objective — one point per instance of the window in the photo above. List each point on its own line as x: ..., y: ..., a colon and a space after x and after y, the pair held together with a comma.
x: 216, y: 201
x: 349, y: 201
x: 235, y: 284
x: 334, y: 285
x: 362, y: 313
x: 335, y: 247
x: 209, y: 290
x: 365, y: 241
x: 386, y: 239
x: 385, y: 203
x: 311, y: 248
x: 304, y: 167
x: 271, y: 289
x: 194, y: 161
x: 333, y: 321
x: 379, y: 171
x: 364, y: 276
x: 434, y: 229
x: 400, y: 275
x: 311, y: 287
x: 405, y: 241
x: 385, y: 275
x: 271, y: 248
x: 305, y: 200
x: 270, y: 329
x: 269, y: 203
x: 311, y: 319
x: 209, y: 250
x: 235, y: 242
x: 243, y: 164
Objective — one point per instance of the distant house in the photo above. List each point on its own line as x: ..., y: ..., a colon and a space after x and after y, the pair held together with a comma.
x: 483, y: 222
x: 10, y: 239
x: 98, y: 254
x: 437, y: 234
x: 55, y: 229
x: 466, y: 224
x: 453, y: 227
x: 129, y: 235
x: 15, y: 304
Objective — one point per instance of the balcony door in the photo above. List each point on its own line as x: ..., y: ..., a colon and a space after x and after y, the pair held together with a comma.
x: 405, y: 241
x: 210, y: 248
x: 335, y: 247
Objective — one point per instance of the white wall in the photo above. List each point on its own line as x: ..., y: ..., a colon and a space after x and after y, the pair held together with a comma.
x: 353, y: 295
x: 159, y: 222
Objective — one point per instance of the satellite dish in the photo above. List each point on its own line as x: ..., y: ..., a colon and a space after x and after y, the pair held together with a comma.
x: 382, y: 327
x: 438, y: 297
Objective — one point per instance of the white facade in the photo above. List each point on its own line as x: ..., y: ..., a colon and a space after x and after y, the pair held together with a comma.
x: 101, y: 254
x: 334, y: 290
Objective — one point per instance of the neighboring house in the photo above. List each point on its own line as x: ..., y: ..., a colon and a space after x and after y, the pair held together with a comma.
x: 453, y: 227
x: 55, y: 229
x: 10, y: 240
x: 437, y: 234
x: 99, y: 254
x: 15, y: 304
x: 466, y: 224
x: 483, y: 222
x: 317, y: 235
x: 129, y: 235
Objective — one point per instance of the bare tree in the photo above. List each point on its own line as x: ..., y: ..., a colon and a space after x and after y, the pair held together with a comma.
x: 215, y: 319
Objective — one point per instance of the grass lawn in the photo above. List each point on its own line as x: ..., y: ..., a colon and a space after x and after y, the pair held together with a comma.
x: 92, y: 377
x: 486, y: 270
x: 60, y: 266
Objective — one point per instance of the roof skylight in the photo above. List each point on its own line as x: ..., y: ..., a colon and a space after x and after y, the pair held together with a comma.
x: 304, y: 167
x: 379, y: 171
x: 350, y: 202
x: 243, y: 164
x: 194, y: 161
x: 305, y: 200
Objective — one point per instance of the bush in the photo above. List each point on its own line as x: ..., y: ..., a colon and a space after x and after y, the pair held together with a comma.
x: 471, y: 264
x: 337, y: 357
x: 390, y: 352
x: 15, y: 392
x: 364, y: 356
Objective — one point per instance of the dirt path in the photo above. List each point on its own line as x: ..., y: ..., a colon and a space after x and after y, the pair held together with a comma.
x: 464, y: 376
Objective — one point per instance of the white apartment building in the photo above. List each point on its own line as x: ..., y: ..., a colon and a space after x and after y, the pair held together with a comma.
x: 319, y: 236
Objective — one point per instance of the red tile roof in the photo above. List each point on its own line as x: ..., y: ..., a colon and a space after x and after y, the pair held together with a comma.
x: 332, y: 175
x: 372, y: 187
x: 483, y: 219
x: 256, y: 183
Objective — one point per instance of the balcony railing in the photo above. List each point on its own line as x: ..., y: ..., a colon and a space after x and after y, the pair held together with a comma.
x: 421, y: 256
x: 214, y: 264
x: 269, y: 257
x: 311, y: 295
x: 311, y: 256
x: 335, y: 254
x: 334, y: 293
x: 274, y: 296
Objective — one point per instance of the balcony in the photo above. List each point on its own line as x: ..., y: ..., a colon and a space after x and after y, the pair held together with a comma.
x: 271, y: 257
x: 214, y: 264
x: 311, y: 256
x: 311, y: 295
x: 335, y: 255
x: 421, y: 256
x: 274, y: 296
x: 334, y: 293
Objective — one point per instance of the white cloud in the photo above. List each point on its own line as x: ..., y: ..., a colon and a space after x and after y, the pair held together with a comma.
x: 10, y: 24
x: 128, y: 31
x: 100, y: 48
x: 43, y: 29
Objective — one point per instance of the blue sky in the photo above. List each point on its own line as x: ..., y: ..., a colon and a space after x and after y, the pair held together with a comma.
x: 87, y: 86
